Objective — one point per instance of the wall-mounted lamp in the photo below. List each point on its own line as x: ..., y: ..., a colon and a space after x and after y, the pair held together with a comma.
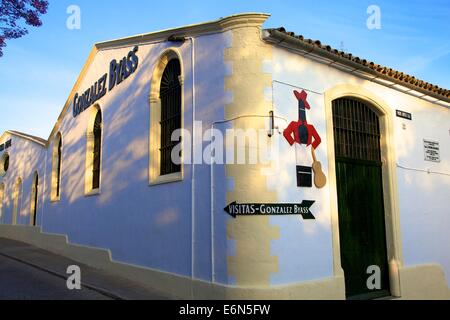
x: 272, y: 124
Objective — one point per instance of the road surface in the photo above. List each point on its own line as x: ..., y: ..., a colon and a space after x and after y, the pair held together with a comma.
x: 23, y: 282
x: 30, y: 273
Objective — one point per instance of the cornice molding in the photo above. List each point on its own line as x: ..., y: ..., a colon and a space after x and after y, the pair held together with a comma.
x: 9, y: 133
x: 195, y: 30
x: 221, y: 25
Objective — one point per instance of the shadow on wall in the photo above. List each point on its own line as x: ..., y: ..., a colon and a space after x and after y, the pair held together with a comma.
x: 125, y: 134
x: 138, y: 223
x: 126, y: 217
x: 26, y: 158
x: 124, y: 141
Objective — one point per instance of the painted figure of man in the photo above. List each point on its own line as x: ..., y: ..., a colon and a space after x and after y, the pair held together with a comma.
x: 304, y: 136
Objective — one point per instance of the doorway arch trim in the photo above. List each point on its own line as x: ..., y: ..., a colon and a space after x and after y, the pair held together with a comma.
x: 389, y: 177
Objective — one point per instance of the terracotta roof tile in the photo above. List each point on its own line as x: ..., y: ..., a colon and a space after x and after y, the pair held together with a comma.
x: 382, y: 70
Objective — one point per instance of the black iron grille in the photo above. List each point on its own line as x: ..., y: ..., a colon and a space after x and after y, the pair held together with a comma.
x: 6, y: 163
x: 35, y: 200
x: 170, y: 96
x: 97, y: 150
x: 356, y: 130
x: 58, y: 168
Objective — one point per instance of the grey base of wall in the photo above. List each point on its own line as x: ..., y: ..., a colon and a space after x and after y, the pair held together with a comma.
x: 424, y: 282
x: 421, y: 282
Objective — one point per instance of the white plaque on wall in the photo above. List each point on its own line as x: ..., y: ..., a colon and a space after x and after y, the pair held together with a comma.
x: 431, y: 149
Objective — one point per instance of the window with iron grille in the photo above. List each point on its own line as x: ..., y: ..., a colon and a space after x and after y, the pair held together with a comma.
x: 170, y: 95
x: 35, y: 199
x: 58, y: 167
x: 97, y: 131
x: 6, y: 163
x: 356, y: 130
x: 2, y: 196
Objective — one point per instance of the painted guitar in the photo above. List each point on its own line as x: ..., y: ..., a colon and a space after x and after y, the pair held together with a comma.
x: 320, y: 180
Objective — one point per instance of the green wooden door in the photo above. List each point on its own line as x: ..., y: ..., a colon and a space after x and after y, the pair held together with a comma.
x: 360, y: 198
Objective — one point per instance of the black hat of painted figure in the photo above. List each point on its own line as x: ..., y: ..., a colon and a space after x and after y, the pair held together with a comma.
x: 302, y: 106
x: 301, y: 97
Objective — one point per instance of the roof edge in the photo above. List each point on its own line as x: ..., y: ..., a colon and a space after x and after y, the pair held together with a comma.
x: 288, y: 39
x: 40, y: 141
x: 80, y: 78
x: 221, y: 25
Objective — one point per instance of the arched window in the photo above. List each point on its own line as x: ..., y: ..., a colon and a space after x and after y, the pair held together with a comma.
x: 97, y: 151
x: 16, y: 200
x: 2, y: 197
x: 34, y: 199
x: 94, y: 152
x: 56, y: 167
x: 170, y: 95
x: 166, y: 116
x: 4, y: 164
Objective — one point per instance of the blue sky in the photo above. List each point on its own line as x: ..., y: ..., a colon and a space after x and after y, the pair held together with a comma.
x: 38, y: 71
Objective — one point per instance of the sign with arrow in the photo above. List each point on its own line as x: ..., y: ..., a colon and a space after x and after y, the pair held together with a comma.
x: 252, y: 209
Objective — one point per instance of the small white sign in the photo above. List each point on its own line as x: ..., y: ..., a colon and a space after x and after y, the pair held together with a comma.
x: 432, y: 152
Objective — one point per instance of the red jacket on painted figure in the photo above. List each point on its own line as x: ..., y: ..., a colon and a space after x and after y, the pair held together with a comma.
x: 292, y: 131
x: 292, y: 136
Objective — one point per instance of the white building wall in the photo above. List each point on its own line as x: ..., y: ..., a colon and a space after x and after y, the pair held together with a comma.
x: 144, y: 225
x: 25, y: 158
x: 305, y: 247
x: 153, y: 226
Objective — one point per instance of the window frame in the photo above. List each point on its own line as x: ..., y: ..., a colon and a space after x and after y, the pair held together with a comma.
x: 4, y: 157
x: 17, y: 197
x: 89, y: 189
x: 2, y: 200
x: 57, y: 164
x: 34, y: 199
x: 172, y: 118
x: 155, y: 177
x: 97, y: 150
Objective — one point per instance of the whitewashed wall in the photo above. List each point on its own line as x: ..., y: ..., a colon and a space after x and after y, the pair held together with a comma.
x: 152, y: 225
x: 25, y: 158
x: 144, y: 225
x: 305, y: 247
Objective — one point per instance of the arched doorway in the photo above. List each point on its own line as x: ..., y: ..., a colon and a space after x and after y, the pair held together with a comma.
x: 359, y: 182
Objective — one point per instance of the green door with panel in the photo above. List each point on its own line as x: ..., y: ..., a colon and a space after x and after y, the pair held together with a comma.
x: 360, y: 199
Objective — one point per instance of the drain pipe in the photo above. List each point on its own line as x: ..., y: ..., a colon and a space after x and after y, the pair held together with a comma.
x: 44, y: 187
x: 176, y: 38
x: 192, y: 157
x: 212, y: 183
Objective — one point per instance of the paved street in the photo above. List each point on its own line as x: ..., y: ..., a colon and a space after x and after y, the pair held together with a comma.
x: 29, y: 273
x: 20, y: 281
